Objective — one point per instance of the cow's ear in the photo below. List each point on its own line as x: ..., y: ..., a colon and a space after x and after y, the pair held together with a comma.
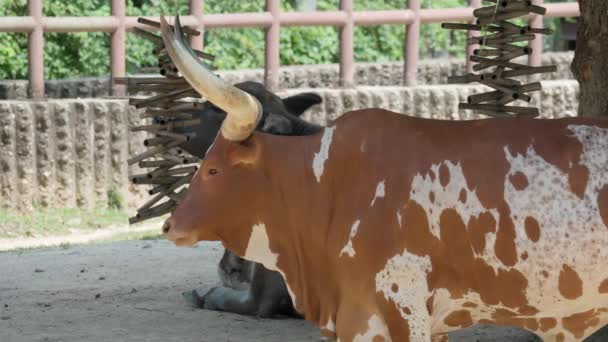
x: 246, y: 152
x: 298, y: 104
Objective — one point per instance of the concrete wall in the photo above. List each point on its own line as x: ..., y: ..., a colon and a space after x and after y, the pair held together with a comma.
x: 294, y: 77
x: 72, y: 152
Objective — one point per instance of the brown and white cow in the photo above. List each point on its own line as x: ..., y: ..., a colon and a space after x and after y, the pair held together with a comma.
x: 420, y: 227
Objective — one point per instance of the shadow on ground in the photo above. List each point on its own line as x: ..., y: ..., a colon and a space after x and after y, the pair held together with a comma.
x: 131, y: 291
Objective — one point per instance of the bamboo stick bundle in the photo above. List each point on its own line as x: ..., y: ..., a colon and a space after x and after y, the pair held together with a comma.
x: 150, y: 213
x: 148, y: 35
x: 179, y: 136
x: 156, y: 163
x: 168, y: 97
x: 155, y: 113
x: 501, y: 42
x: 168, y: 169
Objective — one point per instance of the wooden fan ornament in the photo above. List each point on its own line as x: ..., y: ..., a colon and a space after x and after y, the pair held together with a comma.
x: 169, y: 169
x: 498, y: 42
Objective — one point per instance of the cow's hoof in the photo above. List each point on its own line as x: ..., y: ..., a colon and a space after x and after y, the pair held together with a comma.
x: 196, y: 297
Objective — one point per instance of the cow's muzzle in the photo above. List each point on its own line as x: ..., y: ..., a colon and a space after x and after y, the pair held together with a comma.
x: 178, y: 237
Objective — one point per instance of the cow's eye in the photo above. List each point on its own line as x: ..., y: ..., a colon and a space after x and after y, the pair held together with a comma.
x: 212, y: 172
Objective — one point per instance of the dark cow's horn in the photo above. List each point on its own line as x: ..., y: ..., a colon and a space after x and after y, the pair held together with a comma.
x: 244, y: 111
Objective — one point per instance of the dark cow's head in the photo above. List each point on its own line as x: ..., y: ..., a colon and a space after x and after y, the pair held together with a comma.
x: 226, y: 193
x: 279, y: 116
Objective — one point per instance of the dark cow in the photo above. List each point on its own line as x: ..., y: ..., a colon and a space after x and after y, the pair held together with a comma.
x: 279, y: 116
x: 249, y: 288
x: 402, y: 228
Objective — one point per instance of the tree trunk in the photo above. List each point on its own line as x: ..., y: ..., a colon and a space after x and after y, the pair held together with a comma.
x: 590, y: 65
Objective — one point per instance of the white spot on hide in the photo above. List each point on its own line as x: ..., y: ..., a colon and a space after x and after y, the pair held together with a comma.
x: 403, y: 280
x: 330, y: 325
x: 318, y: 162
x: 258, y: 250
x: 447, y: 197
x: 399, y: 218
x: 376, y: 327
x: 379, y: 193
x: 363, y: 146
x: 571, y: 229
x: 348, y: 248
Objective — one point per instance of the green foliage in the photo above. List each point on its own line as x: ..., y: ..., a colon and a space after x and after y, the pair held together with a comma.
x: 87, y: 54
x: 65, y: 54
x: 115, y: 199
x: 13, y: 46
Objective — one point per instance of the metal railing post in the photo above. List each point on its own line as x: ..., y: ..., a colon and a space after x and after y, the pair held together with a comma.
x: 412, y: 45
x: 535, y: 59
x: 272, y: 61
x: 196, y: 10
x: 118, y: 47
x: 35, y: 47
x: 470, y: 48
x: 347, y: 53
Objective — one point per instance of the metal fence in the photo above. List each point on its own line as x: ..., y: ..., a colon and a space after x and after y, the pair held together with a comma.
x: 117, y: 24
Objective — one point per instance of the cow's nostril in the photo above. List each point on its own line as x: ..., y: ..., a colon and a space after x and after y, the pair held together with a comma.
x: 166, y: 227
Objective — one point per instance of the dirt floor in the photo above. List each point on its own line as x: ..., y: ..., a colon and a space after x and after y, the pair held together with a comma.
x: 131, y: 291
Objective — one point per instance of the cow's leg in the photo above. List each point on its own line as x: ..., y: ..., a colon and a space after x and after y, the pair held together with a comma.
x: 223, y: 298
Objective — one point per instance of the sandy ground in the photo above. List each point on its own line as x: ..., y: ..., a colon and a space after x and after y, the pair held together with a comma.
x: 131, y: 291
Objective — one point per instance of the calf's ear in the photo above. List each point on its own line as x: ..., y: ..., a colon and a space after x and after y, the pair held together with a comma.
x: 298, y: 104
x: 246, y: 152
x: 277, y: 124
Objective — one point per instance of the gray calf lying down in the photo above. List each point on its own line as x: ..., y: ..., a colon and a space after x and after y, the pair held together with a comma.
x: 248, y: 287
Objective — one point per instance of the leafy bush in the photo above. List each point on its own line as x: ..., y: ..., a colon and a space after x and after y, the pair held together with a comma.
x: 87, y: 54
x: 115, y: 199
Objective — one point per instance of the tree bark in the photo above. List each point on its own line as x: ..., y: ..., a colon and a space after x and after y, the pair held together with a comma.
x: 590, y: 65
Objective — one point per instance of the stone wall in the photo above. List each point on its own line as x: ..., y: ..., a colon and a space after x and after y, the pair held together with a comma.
x: 430, y: 72
x: 64, y: 152
x: 72, y: 152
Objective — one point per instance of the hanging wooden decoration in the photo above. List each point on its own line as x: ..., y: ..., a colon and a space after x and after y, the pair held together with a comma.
x: 169, y: 169
x: 500, y: 41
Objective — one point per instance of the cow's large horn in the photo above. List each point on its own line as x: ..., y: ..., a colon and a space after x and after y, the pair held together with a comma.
x: 244, y: 111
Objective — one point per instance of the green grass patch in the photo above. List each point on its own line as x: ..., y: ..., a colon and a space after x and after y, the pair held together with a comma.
x: 57, y: 221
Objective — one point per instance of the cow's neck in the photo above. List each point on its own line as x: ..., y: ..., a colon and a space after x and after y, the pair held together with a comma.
x: 288, y: 236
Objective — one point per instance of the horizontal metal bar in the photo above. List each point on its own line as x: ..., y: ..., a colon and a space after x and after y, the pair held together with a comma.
x: 261, y: 19
x: 386, y: 17
x: 332, y: 18
x: 264, y: 19
x: 436, y: 15
x: 80, y: 24
x: 17, y: 24
x: 568, y: 9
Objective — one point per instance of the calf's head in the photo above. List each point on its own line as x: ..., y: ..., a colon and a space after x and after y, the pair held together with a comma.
x: 225, y: 193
